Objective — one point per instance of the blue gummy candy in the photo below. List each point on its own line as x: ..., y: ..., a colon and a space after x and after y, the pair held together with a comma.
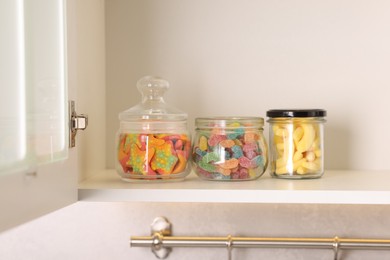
x: 236, y: 133
x: 237, y: 151
x: 259, y: 160
x: 198, y: 151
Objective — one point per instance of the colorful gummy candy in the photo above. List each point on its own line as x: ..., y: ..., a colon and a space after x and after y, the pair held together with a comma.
x: 233, y: 153
x: 153, y: 154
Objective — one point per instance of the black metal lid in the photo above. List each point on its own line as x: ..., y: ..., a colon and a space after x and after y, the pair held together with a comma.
x: 296, y: 113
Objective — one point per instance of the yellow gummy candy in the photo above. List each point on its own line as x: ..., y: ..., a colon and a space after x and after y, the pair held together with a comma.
x: 297, y: 156
x: 281, y: 132
x: 313, y: 166
x: 237, y: 142
x: 307, y: 139
x: 235, y: 124
x: 280, y: 146
x: 278, y: 139
x: 302, y: 170
x: 298, y: 164
x: 281, y: 170
x: 252, y: 173
x: 281, y: 162
x: 298, y: 133
x: 310, y: 156
x: 316, y: 144
x: 203, y: 143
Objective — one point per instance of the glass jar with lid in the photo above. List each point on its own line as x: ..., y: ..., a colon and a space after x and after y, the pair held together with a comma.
x: 153, y: 141
x: 296, y: 143
x: 229, y: 148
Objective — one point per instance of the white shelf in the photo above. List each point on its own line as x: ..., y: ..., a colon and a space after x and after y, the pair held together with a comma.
x: 335, y: 187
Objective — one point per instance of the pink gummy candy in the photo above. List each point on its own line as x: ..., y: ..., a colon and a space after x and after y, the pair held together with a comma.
x: 244, y: 174
x: 250, y: 154
x: 249, y: 147
x: 248, y: 163
x: 215, y: 139
x: 178, y: 145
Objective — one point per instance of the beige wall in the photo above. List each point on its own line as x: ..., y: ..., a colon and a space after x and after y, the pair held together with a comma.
x: 245, y: 57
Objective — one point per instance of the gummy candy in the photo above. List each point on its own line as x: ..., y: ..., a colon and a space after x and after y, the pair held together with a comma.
x: 215, y: 139
x: 249, y: 147
x: 139, y: 159
x: 250, y: 137
x: 250, y: 154
x: 298, y: 149
x: 165, y: 158
x: 207, y: 166
x: 229, y: 164
x: 203, y: 143
x: 181, y: 165
x: 227, y: 143
x: 199, y: 151
x: 209, y: 157
x: 233, y: 153
x: 223, y: 171
x: 236, y: 133
x: 237, y: 151
x: 153, y: 154
x: 251, y: 163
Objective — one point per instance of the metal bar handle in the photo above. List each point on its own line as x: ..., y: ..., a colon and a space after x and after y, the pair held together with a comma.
x: 259, y: 242
x: 166, y: 241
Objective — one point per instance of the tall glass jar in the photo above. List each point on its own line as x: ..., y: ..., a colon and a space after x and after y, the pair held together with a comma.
x: 296, y: 143
x: 229, y: 148
x: 153, y: 141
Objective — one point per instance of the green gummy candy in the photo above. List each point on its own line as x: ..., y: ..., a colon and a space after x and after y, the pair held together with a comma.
x: 209, y: 157
x: 206, y: 166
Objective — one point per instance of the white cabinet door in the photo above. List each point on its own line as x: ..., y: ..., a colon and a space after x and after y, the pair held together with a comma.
x: 38, y: 172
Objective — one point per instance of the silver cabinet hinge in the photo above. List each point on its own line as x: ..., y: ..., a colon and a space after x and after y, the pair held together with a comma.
x: 76, y: 122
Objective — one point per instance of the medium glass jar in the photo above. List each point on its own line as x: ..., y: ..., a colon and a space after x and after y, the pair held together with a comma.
x: 153, y: 141
x: 296, y: 143
x: 229, y: 148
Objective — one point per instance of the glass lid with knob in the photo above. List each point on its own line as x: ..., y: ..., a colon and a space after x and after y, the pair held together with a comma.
x: 152, y: 106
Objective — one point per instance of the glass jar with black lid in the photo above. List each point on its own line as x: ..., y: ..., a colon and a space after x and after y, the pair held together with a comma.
x: 296, y: 140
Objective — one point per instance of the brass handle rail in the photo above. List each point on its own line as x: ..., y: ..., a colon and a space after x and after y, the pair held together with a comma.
x: 266, y: 242
x: 162, y: 242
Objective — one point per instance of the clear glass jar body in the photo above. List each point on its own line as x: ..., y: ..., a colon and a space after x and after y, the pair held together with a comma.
x: 229, y: 148
x: 153, y: 150
x: 296, y: 147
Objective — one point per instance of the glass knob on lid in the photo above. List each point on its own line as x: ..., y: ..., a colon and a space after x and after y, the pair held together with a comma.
x: 152, y: 106
x: 153, y: 142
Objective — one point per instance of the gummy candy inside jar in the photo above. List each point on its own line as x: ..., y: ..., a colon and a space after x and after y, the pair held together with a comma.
x: 229, y: 148
x: 296, y: 143
x: 153, y: 142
